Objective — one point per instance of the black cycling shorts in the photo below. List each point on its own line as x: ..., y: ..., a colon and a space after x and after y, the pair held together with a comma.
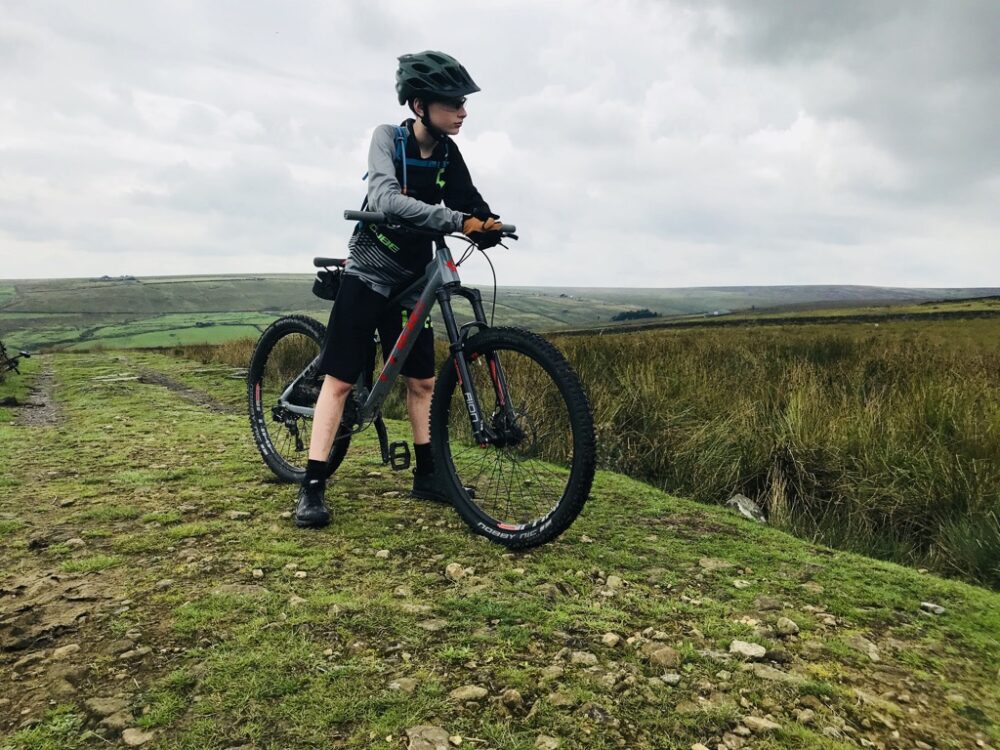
x: 349, y: 346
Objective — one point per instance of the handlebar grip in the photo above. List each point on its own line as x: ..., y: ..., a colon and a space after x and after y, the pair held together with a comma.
x: 508, y: 229
x: 372, y: 217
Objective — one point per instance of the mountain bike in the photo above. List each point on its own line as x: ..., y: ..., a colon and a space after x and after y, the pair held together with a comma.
x: 511, y: 427
x: 9, y: 363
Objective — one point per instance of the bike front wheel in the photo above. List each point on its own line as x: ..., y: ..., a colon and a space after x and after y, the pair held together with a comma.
x: 283, y: 352
x: 530, y: 484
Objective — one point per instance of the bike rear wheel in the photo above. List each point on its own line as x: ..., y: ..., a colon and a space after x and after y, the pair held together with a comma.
x: 283, y: 351
x: 528, y: 488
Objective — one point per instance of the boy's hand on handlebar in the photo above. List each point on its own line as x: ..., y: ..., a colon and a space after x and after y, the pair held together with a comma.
x: 474, y: 224
x: 485, y: 233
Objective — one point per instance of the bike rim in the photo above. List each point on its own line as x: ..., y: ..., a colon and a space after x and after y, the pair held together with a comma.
x: 288, y: 434
x: 519, y: 485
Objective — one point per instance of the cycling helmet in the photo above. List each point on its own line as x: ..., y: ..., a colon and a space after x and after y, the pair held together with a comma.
x: 432, y: 75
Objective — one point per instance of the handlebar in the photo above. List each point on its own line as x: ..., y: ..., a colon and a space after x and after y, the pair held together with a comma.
x: 378, y: 217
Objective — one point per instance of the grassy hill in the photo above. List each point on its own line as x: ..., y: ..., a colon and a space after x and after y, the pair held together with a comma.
x: 165, y: 311
x: 152, y: 587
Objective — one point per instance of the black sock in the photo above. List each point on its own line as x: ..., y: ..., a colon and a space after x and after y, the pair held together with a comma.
x: 316, y: 470
x: 425, y: 461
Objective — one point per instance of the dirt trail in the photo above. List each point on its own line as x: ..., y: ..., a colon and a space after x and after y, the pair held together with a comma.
x: 193, y: 395
x: 41, y: 409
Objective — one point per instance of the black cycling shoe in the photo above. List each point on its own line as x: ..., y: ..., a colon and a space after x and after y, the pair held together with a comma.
x: 311, y: 511
x: 426, y: 487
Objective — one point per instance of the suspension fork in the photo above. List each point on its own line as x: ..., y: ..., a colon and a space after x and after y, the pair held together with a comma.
x: 480, y: 430
x: 457, y: 338
x: 497, y: 375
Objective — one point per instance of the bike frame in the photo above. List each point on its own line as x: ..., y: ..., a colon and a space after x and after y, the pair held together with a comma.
x: 440, y: 283
x: 9, y: 363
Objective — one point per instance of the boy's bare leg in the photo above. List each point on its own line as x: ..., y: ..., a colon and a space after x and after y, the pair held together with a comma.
x: 418, y: 403
x: 326, y: 418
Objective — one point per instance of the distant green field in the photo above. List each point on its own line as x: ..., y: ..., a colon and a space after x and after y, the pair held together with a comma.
x: 990, y: 304
x: 215, y: 335
x: 162, y: 311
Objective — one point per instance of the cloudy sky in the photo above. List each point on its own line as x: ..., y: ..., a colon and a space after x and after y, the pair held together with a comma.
x: 634, y: 143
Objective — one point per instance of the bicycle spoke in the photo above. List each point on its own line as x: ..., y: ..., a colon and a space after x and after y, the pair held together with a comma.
x: 516, y: 483
x: 290, y: 435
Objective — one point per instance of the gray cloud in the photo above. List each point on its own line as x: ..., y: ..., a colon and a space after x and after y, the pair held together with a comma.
x: 636, y: 143
x: 919, y: 76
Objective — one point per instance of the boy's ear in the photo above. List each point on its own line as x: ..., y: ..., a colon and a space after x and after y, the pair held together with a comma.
x: 413, y: 106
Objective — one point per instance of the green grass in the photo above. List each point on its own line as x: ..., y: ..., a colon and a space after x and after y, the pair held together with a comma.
x: 90, y: 564
x: 9, y: 526
x: 60, y: 729
x: 111, y: 513
x: 254, y: 667
x: 12, y: 384
x: 162, y: 517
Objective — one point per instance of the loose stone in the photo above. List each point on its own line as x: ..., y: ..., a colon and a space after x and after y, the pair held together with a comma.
x: 786, y: 626
x: 469, y: 693
x: 136, y: 737
x: 758, y: 725
x: 63, y: 651
x: 665, y: 657
x: 511, y: 698
x: 584, y: 658
x: 749, y: 650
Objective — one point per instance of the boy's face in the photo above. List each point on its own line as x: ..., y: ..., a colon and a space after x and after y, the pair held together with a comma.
x: 448, y: 115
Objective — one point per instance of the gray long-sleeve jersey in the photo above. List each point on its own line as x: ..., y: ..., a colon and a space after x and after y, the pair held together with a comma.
x: 384, y: 258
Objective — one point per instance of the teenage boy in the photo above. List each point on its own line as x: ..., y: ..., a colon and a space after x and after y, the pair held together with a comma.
x: 410, y: 174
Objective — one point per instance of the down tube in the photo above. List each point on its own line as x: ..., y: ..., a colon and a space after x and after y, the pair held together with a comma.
x: 402, y: 348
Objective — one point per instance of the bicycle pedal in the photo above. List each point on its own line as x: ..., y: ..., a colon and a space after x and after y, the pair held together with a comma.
x: 399, y: 455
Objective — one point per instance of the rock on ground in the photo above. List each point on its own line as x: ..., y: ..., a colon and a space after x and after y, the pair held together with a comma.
x: 758, y: 725
x: 136, y: 737
x: 427, y: 737
x: 469, y: 693
x: 749, y: 650
x: 665, y: 657
x: 746, y: 508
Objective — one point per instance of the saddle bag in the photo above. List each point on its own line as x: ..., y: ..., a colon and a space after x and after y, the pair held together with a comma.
x: 327, y: 283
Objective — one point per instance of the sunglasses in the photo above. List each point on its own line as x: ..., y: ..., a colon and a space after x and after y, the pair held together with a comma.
x: 453, y: 103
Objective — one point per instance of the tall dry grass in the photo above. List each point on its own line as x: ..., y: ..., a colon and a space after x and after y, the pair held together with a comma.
x: 883, y: 444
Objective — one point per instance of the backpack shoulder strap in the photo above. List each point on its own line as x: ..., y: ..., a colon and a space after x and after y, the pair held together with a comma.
x: 401, y: 135
x: 400, y: 152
